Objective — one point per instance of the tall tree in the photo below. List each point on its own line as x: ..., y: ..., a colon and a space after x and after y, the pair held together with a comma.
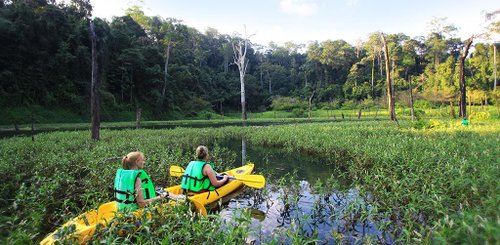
x: 240, y: 47
x: 94, y: 88
x: 495, y: 66
x: 390, y: 99
x: 440, y: 29
x: 374, y: 48
x: 492, y: 33
x: 85, y: 9
x: 463, y: 90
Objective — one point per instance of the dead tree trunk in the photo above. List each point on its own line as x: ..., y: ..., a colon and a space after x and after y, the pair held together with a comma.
x: 221, y: 111
x: 411, y: 100
x: 393, y: 67
x: 226, y: 55
x: 161, y: 100
x: 452, y: 110
x: 392, y: 113
x: 261, y: 73
x: 164, y: 90
x: 373, y: 70
x: 495, y: 66
x: 240, y: 52
x: 463, y: 90
x: 32, y: 125
x: 270, y: 83
x: 310, y: 104
x: 138, y: 118
x: 165, y: 77
x: 94, y: 91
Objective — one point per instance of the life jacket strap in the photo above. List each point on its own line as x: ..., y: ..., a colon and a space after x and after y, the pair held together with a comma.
x: 127, y: 194
x: 216, y: 192
x: 186, y: 177
x: 125, y: 201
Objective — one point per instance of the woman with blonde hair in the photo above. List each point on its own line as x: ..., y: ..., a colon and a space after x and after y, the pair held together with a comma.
x: 133, y: 188
x: 200, y: 175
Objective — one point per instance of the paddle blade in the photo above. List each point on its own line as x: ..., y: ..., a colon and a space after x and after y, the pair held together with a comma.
x: 255, y: 181
x: 176, y: 171
x: 199, y: 207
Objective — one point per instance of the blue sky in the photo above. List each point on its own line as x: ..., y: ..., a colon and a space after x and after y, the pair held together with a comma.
x: 301, y: 21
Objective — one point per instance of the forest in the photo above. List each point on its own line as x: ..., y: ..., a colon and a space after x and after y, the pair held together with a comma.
x: 172, y: 71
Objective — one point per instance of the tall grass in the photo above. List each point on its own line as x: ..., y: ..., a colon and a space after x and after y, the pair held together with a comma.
x: 424, y: 179
x: 437, y: 183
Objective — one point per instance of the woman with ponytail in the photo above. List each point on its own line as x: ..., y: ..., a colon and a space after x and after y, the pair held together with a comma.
x: 133, y: 187
x: 200, y: 175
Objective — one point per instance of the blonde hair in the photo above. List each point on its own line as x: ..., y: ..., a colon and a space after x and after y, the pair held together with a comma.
x: 129, y: 161
x: 201, y: 152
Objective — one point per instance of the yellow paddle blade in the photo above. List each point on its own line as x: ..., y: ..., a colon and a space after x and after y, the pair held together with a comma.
x: 176, y: 171
x: 199, y: 207
x: 255, y: 181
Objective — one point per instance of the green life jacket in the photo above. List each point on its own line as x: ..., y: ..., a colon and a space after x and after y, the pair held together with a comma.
x: 124, y: 188
x: 193, y: 178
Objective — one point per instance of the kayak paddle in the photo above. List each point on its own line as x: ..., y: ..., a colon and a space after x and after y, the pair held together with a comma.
x: 201, y: 209
x: 252, y: 180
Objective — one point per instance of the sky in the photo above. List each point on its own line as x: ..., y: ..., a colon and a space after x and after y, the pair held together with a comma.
x: 301, y: 21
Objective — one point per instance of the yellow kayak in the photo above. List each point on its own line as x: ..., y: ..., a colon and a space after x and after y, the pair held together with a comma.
x: 83, y: 227
x: 212, y: 196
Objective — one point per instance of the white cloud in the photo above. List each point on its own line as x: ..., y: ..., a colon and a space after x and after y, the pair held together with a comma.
x: 299, y: 7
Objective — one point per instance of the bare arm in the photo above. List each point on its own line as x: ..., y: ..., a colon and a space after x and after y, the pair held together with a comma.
x: 140, y: 196
x: 210, y: 173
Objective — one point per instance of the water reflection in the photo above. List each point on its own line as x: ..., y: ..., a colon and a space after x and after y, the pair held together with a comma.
x: 301, y: 198
x: 243, y: 150
x: 327, y: 218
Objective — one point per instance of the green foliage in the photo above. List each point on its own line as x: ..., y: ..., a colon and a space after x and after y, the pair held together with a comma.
x: 350, y: 104
x: 298, y: 112
x: 411, y: 173
x: 416, y: 175
x: 429, y: 124
x: 51, y: 69
x: 330, y: 105
x: 468, y: 228
x: 288, y: 103
x: 422, y: 104
x: 495, y: 97
x: 24, y: 115
x: 169, y: 225
x: 442, y: 83
x: 479, y: 116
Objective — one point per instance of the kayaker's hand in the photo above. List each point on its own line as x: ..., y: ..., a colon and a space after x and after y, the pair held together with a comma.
x: 226, y: 179
x: 164, y: 194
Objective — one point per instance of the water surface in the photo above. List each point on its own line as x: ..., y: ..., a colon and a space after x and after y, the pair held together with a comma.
x: 292, y: 206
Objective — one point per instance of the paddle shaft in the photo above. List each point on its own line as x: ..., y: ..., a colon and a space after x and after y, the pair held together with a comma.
x: 234, y: 178
x: 256, y: 181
